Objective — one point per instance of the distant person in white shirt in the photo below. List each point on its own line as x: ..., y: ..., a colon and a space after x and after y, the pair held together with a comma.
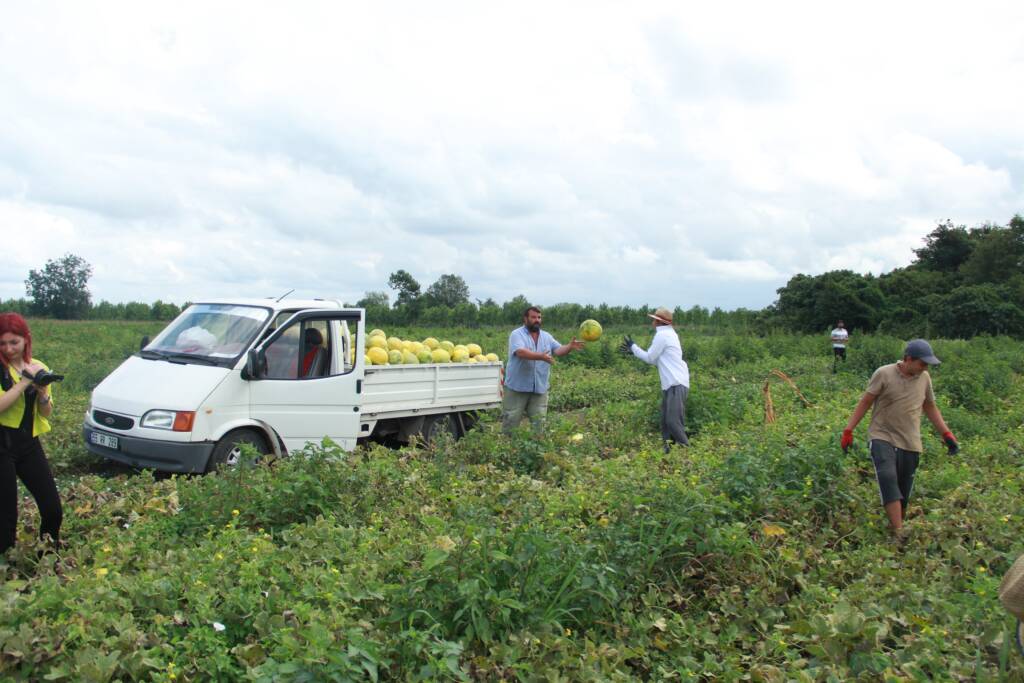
x: 840, y: 337
x: 666, y: 353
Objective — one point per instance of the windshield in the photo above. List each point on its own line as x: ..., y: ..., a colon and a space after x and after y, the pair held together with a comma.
x: 206, y: 333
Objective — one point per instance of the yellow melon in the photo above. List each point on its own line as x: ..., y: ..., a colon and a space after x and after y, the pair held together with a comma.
x: 590, y: 330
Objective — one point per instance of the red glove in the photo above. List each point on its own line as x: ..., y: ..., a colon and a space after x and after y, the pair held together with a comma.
x: 952, y: 446
x: 847, y: 439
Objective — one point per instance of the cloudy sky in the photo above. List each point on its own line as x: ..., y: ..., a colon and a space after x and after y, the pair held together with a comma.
x: 663, y: 153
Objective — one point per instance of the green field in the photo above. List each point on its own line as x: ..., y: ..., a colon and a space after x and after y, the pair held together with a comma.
x: 759, y: 553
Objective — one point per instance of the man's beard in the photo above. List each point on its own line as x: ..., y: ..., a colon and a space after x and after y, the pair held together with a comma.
x: 535, y: 327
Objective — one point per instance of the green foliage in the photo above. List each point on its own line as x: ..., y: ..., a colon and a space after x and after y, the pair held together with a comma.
x: 448, y: 291
x: 963, y: 283
x: 813, y: 303
x: 947, y: 247
x: 406, y: 286
x: 60, y: 288
x: 584, y: 553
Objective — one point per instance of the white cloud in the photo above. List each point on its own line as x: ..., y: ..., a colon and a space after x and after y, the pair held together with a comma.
x: 598, y: 152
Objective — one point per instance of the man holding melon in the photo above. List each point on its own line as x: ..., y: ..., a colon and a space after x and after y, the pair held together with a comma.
x: 667, y: 354
x: 527, y: 372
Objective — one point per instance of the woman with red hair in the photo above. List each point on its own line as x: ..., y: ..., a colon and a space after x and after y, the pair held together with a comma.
x: 24, y: 409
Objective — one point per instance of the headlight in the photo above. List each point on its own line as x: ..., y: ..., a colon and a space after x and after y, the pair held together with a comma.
x: 174, y: 420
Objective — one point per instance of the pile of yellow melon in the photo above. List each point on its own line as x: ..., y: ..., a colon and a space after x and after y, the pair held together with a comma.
x: 384, y: 350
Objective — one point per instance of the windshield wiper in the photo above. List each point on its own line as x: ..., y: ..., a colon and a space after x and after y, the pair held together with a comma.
x: 152, y: 355
x: 191, y: 357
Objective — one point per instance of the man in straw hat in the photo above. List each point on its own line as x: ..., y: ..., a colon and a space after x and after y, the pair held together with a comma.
x: 897, y: 394
x: 667, y: 354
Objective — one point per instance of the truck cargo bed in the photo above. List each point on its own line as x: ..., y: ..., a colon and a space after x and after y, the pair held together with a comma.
x: 402, y: 390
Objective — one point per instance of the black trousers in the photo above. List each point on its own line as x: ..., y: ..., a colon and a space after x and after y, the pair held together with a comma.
x: 23, y: 458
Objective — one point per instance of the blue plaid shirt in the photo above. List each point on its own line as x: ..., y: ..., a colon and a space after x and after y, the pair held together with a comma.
x: 528, y: 375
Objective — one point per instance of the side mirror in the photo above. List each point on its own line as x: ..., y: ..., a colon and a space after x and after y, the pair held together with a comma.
x: 144, y: 343
x: 253, y: 365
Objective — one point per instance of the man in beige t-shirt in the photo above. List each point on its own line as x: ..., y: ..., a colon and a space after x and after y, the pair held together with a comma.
x: 898, y: 394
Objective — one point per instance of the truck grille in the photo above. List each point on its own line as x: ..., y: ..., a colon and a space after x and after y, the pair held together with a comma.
x: 111, y: 421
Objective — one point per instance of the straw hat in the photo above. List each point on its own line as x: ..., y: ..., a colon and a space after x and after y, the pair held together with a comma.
x: 662, y: 315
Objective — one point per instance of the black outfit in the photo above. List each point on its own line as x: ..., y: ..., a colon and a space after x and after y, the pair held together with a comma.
x: 22, y: 457
x: 840, y: 352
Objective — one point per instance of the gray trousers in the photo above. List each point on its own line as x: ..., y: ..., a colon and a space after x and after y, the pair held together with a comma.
x: 517, y: 403
x: 894, y: 469
x: 673, y: 414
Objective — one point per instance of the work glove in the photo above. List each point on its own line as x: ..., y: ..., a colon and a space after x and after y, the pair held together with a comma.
x: 627, y: 345
x: 952, y: 447
x: 847, y: 440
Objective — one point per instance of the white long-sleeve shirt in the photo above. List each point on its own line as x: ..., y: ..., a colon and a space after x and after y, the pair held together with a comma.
x: 667, y: 354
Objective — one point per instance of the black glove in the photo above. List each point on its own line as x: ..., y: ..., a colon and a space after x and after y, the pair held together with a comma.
x: 627, y: 346
x: 952, y: 446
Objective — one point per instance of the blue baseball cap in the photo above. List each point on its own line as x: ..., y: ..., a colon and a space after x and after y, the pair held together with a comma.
x: 920, y: 349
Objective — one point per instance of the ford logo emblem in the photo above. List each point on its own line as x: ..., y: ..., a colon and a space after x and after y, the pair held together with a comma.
x: 109, y: 420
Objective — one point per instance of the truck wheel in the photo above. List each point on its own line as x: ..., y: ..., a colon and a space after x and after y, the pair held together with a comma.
x: 228, y: 451
x: 436, y: 425
x: 469, y: 420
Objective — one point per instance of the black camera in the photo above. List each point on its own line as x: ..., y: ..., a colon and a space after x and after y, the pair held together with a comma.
x: 44, y: 378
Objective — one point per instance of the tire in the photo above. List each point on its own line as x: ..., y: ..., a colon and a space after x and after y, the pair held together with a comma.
x: 434, y: 426
x: 227, y: 452
x: 469, y: 420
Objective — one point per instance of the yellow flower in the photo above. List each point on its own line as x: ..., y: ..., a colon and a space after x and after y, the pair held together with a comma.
x: 106, y: 548
x: 568, y: 631
x: 577, y: 437
x: 982, y: 570
x: 445, y: 543
x: 219, y: 556
x: 102, y: 571
x: 603, y: 521
x: 235, y: 513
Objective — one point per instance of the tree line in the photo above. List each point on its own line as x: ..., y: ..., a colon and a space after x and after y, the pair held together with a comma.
x: 962, y: 282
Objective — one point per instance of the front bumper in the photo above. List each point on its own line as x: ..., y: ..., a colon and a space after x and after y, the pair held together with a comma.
x: 158, y: 455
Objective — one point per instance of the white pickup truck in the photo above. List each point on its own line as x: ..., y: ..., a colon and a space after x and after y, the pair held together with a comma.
x: 277, y: 375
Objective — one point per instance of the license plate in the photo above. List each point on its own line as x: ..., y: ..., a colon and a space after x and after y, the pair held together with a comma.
x: 104, y: 440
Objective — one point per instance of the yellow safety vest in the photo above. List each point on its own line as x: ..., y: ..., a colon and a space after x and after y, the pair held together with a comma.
x: 12, y: 416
